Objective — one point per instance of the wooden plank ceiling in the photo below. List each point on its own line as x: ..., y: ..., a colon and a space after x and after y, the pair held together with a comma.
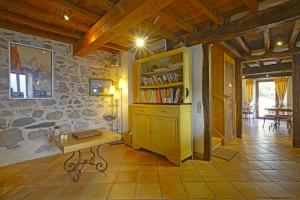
x: 112, y: 25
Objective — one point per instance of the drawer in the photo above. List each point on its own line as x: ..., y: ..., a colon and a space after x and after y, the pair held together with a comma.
x: 143, y: 110
x: 167, y: 112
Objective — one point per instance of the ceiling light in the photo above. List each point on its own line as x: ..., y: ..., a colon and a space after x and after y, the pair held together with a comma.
x: 66, y: 17
x: 244, y: 77
x: 267, y: 75
x: 140, y: 42
x: 279, y: 43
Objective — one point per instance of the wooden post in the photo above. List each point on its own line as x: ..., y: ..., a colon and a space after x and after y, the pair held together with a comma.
x: 206, y: 103
x: 296, y: 100
x: 238, y: 97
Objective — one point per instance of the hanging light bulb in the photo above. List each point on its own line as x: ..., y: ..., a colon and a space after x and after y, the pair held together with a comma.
x: 139, y: 42
x: 66, y: 17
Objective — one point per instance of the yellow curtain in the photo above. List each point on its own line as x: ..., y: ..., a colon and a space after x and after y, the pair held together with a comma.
x: 281, y: 85
x: 249, y: 89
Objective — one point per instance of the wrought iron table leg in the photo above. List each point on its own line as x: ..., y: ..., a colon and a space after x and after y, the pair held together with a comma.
x: 74, y: 168
x: 69, y: 167
x: 102, y: 165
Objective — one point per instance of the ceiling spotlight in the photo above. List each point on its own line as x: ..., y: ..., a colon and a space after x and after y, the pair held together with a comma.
x: 244, y: 77
x: 140, y: 42
x: 66, y: 17
x: 267, y: 75
x: 279, y: 43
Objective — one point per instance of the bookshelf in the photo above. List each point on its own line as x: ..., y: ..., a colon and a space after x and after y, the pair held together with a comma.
x: 161, y: 116
x: 165, y: 78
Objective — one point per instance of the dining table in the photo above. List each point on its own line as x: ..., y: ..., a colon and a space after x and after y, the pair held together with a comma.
x: 281, y: 113
x: 279, y: 109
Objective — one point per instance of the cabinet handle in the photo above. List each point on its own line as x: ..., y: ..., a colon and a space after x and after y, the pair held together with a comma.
x: 187, y: 92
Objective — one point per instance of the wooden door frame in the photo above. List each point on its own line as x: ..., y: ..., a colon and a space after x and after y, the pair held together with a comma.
x: 206, y: 99
x: 296, y: 100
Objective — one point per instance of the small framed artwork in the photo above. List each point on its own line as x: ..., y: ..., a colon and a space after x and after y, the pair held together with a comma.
x: 99, y: 86
x: 30, y: 72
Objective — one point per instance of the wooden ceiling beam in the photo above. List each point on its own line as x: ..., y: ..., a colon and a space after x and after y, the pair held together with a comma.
x: 151, y: 29
x: 268, y: 75
x: 242, y: 44
x: 34, y: 13
x: 268, y: 18
x: 110, y: 50
x: 267, y: 39
x: 294, y: 34
x: 115, y: 22
x: 27, y: 30
x: 116, y: 46
x: 103, y: 4
x: 230, y: 49
x: 207, y: 11
x: 37, y: 24
x: 179, y: 22
x: 70, y: 7
x: 267, y: 68
x: 252, y: 5
x: 272, y: 55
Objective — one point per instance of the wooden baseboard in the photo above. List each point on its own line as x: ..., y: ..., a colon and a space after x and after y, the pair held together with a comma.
x: 127, y: 138
x: 198, y: 155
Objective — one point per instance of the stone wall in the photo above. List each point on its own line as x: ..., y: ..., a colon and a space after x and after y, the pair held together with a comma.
x: 24, y: 124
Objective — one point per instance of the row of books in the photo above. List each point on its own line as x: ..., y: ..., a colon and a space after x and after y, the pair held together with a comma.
x: 169, y: 95
x: 160, y: 79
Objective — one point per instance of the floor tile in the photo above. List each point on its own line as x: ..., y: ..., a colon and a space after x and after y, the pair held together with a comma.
x: 169, y: 176
x: 173, y: 190
x: 148, y: 191
x: 249, y: 190
x: 126, y: 176
x: 274, y: 190
x: 292, y: 187
x: 147, y: 177
x: 96, y: 191
x: 198, y: 190
x: 223, y: 190
x: 122, y: 191
x: 210, y: 175
x: 190, y: 176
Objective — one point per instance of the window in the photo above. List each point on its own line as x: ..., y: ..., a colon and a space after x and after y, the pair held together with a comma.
x: 18, y: 85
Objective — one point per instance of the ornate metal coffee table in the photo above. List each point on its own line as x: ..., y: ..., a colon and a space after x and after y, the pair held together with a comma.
x: 74, y: 164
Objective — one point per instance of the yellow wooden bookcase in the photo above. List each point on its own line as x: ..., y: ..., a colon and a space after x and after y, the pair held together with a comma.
x: 164, y: 127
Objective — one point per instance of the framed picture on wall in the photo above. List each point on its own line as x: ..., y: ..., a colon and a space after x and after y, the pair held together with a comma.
x: 99, y: 86
x: 30, y: 72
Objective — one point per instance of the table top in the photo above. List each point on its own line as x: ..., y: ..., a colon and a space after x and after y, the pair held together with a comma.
x: 71, y: 144
x: 280, y: 109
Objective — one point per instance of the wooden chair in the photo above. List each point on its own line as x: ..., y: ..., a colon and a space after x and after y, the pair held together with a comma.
x: 247, y: 112
x: 269, y: 117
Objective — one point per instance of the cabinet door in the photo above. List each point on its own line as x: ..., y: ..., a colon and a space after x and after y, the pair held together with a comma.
x: 166, y: 136
x: 142, y: 131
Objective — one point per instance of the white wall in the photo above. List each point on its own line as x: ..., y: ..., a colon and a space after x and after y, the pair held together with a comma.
x: 125, y: 74
x: 197, y: 104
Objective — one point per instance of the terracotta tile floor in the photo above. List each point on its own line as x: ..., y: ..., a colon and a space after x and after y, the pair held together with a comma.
x: 266, y: 167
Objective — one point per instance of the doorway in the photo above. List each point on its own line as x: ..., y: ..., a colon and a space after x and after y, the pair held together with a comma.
x: 265, y: 96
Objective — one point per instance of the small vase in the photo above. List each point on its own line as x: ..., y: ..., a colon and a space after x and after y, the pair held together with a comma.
x: 56, y: 132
